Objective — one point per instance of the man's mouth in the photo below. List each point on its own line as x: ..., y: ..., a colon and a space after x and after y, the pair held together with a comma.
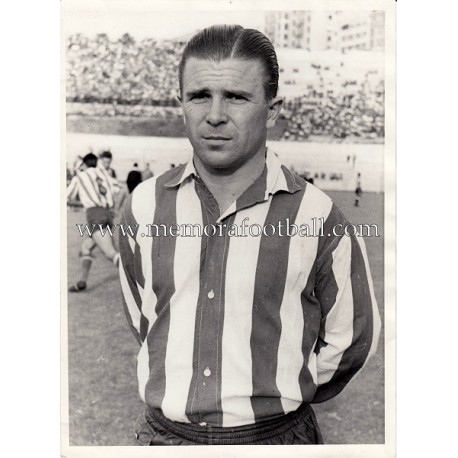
x: 216, y: 138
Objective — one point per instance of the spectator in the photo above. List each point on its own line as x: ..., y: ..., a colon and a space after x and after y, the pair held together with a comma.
x: 134, y: 178
x: 147, y: 173
x: 358, y: 190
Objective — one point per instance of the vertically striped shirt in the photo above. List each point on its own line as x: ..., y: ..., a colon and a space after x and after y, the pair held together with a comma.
x: 238, y: 329
x: 95, y: 188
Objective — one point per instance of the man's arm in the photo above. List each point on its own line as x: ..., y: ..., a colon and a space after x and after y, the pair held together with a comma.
x: 113, y: 183
x: 131, y: 292
x: 72, y: 189
x: 116, y: 185
x: 350, y: 324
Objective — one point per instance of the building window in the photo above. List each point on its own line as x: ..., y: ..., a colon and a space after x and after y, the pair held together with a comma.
x: 295, y: 70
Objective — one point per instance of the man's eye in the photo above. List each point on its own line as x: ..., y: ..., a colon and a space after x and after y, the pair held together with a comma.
x: 199, y: 98
x: 236, y: 98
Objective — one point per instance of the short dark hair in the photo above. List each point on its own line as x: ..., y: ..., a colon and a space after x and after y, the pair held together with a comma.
x: 106, y: 154
x: 220, y: 42
x: 90, y: 160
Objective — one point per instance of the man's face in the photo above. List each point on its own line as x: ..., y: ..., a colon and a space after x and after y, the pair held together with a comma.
x: 106, y: 162
x: 225, y: 111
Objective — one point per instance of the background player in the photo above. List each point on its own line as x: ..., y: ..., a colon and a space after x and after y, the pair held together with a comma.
x: 95, y: 190
x: 358, y: 190
x: 105, y: 163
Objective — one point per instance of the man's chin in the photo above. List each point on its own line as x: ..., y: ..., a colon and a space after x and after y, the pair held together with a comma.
x: 221, y: 165
x: 220, y: 161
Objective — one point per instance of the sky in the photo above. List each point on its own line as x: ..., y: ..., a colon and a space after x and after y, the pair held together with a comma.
x: 142, y: 20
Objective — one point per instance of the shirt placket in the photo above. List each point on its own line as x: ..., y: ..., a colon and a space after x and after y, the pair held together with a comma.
x: 207, y: 402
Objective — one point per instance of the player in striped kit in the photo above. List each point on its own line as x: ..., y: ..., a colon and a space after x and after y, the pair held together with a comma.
x: 239, y: 335
x: 96, y: 190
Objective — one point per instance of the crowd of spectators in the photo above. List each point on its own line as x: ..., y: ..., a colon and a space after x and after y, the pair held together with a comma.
x: 129, y: 78
x: 360, y: 114
x: 122, y: 71
x: 116, y: 109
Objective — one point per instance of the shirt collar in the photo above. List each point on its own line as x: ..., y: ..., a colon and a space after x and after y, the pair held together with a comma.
x: 187, y: 171
x: 279, y: 178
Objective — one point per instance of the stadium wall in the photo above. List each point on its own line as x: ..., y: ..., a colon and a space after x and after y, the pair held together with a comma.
x: 141, y: 126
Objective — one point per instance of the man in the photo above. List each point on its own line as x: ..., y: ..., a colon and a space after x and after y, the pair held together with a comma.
x: 134, y: 178
x: 119, y: 190
x: 105, y: 163
x: 239, y: 334
x: 358, y: 190
x: 147, y: 173
x: 95, y: 191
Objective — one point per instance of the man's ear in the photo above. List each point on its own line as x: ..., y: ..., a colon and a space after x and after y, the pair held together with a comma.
x: 182, y: 110
x: 275, y: 106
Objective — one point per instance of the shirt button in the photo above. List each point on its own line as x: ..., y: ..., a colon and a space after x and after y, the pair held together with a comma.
x: 207, y: 372
x: 211, y: 294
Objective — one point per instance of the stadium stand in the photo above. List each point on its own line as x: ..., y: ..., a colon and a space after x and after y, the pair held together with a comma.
x: 139, y: 79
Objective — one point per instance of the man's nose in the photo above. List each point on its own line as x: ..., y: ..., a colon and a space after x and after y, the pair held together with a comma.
x: 217, y: 112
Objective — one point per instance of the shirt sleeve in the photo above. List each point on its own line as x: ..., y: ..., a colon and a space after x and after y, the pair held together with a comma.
x: 72, y: 189
x: 114, y: 183
x: 132, y: 293
x: 350, y: 324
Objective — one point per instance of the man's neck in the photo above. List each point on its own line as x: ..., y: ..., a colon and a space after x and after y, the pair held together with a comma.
x: 228, y: 187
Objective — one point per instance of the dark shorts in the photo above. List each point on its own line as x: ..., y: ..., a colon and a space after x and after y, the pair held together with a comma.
x: 99, y: 215
x: 358, y: 191
x: 295, y: 428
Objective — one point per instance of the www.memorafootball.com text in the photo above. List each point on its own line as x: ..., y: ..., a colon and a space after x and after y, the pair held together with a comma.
x: 283, y: 228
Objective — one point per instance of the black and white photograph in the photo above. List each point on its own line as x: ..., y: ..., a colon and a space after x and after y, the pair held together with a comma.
x: 228, y: 275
